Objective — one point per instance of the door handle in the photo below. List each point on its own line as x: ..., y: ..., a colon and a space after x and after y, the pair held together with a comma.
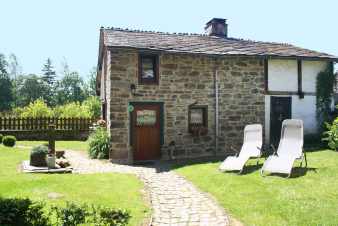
x: 280, y: 118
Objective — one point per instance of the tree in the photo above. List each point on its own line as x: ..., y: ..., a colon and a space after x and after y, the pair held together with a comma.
x: 14, y: 71
x: 30, y: 88
x: 49, y: 75
x: 13, y: 66
x: 90, y: 86
x: 70, y: 89
x: 3, y: 64
x: 6, y: 87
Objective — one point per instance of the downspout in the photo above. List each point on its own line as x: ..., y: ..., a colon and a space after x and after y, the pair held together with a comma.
x: 216, y: 106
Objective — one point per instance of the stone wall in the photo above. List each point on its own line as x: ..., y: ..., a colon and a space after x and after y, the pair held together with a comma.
x: 183, y: 80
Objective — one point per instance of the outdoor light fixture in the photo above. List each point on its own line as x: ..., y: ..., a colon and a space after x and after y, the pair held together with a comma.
x: 133, y: 89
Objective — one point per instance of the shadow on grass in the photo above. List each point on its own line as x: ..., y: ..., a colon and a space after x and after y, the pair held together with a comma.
x: 295, y: 173
x: 251, y: 168
x: 175, y: 164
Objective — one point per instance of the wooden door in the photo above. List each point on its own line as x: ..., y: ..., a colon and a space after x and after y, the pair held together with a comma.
x: 280, y: 109
x: 146, y: 136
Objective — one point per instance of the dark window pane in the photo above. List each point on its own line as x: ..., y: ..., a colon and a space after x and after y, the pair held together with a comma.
x: 148, y: 68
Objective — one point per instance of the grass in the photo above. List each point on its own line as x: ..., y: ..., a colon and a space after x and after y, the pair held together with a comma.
x: 59, y: 145
x: 109, y: 189
x: 308, y: 198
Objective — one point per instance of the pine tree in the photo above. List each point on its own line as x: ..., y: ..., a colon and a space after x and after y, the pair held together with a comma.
x: 49, y: 75
x: 49, y: 78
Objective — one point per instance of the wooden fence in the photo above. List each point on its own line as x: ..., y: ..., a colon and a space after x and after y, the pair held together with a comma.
x: 37, y: 128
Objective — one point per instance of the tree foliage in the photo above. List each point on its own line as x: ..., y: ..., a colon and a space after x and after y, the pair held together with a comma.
x: 18, y: 90
x: 6, y: 86
x: 36, y: 109
x: 49, y: 75
x: 324, y: 89
x: 70, y: 89
x: 30, y: 88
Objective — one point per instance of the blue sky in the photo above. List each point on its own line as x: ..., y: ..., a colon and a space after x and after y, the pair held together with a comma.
x: 35, y: 30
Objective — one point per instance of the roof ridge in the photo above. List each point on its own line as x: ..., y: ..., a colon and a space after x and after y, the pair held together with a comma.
x: 155, y: 32
x: 192, y: 34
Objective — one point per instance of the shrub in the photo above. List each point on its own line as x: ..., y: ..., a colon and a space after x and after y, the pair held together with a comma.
x: 70, y: 215
x: 99, y: 144
x: 1, y: 136
x: 9, y: 141
x: 313, y: 141
x: 111, y: 217
x: 22, y: 212
x: 38, y: 155
x: 73, y: 214
x: 93, y: 104
x: 36, y: 109
x: 73, y: 110
x: 331, y: 135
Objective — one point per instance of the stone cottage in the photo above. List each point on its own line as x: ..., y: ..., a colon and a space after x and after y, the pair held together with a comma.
x: 179, y: 95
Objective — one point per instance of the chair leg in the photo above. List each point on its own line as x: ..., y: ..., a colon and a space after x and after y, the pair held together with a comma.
x: 262, y: 173
x: 305, y: 159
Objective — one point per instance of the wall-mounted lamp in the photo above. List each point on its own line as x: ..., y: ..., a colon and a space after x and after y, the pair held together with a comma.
x: 133, y: 89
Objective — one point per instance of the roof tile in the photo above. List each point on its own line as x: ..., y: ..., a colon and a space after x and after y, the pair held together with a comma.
x: 203, y: 44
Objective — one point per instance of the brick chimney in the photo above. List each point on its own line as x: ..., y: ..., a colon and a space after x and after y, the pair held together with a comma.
x: 217, y: 27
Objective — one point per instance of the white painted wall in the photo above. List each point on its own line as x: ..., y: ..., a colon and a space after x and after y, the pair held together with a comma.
x: 305, y: 109
x: 282, y: 75
x: 310, y: 70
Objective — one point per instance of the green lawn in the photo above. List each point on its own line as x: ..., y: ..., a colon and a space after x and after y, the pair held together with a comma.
x: 308, y: 198
x: 114, y: 190
x: 59, y: 145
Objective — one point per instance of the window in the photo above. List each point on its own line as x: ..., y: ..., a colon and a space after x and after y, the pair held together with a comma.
x: 148, y: 69
x: 145, y: 118
x: 198, y: 119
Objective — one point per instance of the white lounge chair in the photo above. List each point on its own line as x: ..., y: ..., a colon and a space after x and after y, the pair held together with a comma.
x: 251, y: 148
x: 290, y: 148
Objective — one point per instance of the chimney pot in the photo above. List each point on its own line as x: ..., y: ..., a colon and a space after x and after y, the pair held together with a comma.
x: 217, y: 27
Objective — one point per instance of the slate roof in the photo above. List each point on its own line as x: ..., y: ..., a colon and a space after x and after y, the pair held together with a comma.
x: 203, y: 44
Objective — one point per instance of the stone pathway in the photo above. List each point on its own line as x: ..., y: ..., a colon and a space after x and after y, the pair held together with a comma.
x: 174, y: 200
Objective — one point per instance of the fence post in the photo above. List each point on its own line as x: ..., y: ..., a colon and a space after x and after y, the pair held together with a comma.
x: 51, y: 139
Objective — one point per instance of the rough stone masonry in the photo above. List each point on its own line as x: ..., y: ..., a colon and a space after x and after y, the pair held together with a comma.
x: 183, y: 80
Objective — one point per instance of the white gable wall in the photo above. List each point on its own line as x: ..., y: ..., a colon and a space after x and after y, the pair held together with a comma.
x: 310, y: 70
x: 282, y: 76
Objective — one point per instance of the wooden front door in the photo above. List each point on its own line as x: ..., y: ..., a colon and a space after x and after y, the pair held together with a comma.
x: 146, y: 135
x: 280, y: 109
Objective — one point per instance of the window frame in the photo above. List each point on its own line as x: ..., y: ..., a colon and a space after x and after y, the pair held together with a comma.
x: 204, y: 116
x: 155, y: 59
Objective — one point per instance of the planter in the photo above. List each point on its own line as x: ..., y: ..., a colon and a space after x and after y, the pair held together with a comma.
x: 38, y: 159
x: 50, y: 161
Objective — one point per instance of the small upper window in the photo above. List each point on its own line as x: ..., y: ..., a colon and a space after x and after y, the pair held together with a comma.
x: 148, y: 69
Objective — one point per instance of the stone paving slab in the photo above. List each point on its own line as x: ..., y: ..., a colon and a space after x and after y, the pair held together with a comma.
x: 174, y: 200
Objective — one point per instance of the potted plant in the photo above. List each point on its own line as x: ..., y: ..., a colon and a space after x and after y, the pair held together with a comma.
x: 38, y: 156
x: 50, y: 159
